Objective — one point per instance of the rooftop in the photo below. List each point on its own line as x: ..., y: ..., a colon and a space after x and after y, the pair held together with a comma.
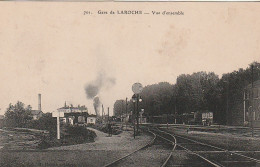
x: 80, y: 108
x: 36, y: 112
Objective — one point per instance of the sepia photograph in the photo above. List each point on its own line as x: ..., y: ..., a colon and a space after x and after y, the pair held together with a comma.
x: 129, y: 84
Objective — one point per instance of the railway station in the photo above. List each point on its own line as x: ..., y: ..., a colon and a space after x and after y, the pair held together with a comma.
x: 136, y: 139
x: 129, y: 84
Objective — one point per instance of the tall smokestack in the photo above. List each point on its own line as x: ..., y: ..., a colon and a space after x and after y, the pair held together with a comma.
x: 39, y: 102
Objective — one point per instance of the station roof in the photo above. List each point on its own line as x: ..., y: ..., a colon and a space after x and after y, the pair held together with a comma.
x: 80, y: 108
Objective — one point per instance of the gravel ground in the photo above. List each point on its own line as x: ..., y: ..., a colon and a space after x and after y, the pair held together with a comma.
x: 182, y: 158
x: 154, y: 155
x: 123, y: 141
x: 102, y: 151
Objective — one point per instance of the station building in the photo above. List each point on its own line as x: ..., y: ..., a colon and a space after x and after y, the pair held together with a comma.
x: 91, y: 119
x: 74, y: 115
x: 251, y: 108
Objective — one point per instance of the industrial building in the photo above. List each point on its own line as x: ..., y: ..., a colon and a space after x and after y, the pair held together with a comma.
x: 36, y: 114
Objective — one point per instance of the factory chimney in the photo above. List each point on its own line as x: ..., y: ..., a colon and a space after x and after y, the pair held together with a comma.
x: 39, y: 102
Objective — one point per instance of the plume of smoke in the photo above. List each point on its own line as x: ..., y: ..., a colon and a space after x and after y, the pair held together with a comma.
x: 92, y: 89
x: 96, y: 104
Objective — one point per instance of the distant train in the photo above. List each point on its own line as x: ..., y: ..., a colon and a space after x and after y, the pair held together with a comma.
x: 204, y: 118
x: 207, y: 118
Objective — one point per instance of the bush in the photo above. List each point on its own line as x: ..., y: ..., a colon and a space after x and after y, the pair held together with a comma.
x: 80, y: 132
x: 70, y: 135
x: 104, y: 128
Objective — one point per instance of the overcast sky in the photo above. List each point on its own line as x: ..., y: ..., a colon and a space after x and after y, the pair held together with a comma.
x: 53, y: 49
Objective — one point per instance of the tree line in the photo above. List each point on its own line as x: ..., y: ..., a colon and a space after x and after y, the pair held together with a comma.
x: 20, y: 116
x: 200, y: 91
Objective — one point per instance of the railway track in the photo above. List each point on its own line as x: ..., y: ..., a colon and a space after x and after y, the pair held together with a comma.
x: 184, y: 152
x: 154, y: 153
x: 193, y: 159
x: 214, y: 156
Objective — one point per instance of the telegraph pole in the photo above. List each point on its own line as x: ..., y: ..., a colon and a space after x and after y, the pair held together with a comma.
x: 134, y: 121
x: 108, y: 113
x: 252, y: 100
x: 137, y: 114
x: 227, y: 112
x: 244, y: 106
x: 227, y: 101
x: 137, y: 89
x: 121, y: 114
x: 102, y: 113
x: 126, y: 113
x: 58, y: 126
x: 175, y: 110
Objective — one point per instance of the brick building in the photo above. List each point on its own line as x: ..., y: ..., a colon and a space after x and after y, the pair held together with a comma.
x: 252, y: 103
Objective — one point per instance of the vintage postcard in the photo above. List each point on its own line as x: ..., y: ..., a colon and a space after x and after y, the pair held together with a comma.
x: 129, y: 83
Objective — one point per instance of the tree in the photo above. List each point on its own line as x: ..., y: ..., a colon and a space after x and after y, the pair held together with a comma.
x: 200, y: 91
x: 196, y: 92
x: 17, y: 115
x: 157, y: 99
x: 45, y: 122
x: 119, y: 107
